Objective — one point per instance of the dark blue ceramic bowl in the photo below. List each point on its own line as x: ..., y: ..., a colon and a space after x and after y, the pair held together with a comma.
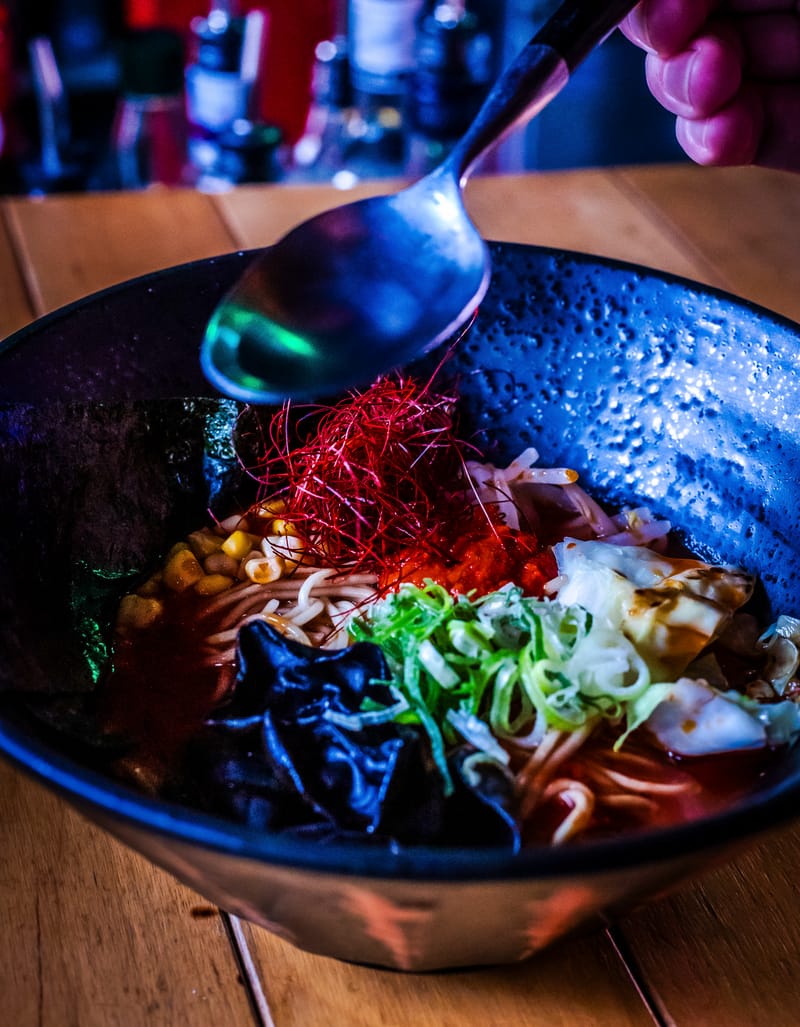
x: 659, y: 391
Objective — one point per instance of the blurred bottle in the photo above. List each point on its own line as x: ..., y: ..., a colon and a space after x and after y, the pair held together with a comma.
x: 282, y: 94
x: 327, y: 149
x: 246, y: 152
x: 382, y: 37
x: 149, y: 132
x: 452, y: 76
x: 215, y: 93
x: 59, y: 165
x: 229, y: 141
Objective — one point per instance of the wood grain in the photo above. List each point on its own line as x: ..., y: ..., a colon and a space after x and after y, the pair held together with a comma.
x: 94, y: 936
x: 575, y: 984
x: 724, y: 951
x: 742, y: 222
x: 579, y: 210
x: 70, y: 246
x: 260, y: 215
x: 15, y: 303
x: 585, y: 211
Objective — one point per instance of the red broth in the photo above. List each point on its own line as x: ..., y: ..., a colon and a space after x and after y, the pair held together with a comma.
x: 159, y: 690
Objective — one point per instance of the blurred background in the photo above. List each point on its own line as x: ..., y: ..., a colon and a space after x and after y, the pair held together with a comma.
x: 103, y: 94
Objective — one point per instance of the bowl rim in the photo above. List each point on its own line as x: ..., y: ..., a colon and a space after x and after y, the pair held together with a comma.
x: 106, y: 800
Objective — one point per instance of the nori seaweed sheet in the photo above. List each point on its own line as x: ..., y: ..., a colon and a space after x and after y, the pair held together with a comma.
x: 92, y: 495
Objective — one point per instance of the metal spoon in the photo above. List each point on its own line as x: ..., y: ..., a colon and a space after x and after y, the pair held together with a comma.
x: 366, y: 287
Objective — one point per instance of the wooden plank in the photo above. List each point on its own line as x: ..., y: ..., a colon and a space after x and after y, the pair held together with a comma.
x: 740, y: 221
x: 725, y: 950
x: 580, y: 983
x: 70, y: 246
x: 580, y: 210
x: 93, y: 935
x: 259, y: 215
x: 15, y: 304
x: 584, y: 211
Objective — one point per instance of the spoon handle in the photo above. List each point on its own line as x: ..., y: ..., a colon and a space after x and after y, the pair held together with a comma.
x: 536, y: 75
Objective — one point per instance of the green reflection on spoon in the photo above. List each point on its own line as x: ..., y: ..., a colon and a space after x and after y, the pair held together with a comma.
x: 236, y: 336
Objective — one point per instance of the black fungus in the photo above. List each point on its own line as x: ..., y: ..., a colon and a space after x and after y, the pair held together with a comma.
x: 288, y: 752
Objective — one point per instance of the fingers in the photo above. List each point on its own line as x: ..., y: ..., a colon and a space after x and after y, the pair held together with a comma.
x: 761, y: 125
x: 730, y: 71
x: 666, y: 26
x: 695, y: 82
x: 769, y: 29
x: 730, y: 136
x: 699, y: 80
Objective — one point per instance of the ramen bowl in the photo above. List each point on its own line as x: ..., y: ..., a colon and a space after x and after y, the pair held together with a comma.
x: 660, y: 392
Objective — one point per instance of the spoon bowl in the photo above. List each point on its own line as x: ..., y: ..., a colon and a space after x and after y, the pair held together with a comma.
x: 369, y: 286
x: 297, y: 322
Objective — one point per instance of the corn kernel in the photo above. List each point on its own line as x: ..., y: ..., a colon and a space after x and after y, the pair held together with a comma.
x: 254, y: 554
x: 203, y: 543
x: 177, y: 548
x: 182, y: 571
x: 271, y: 508
x: 152, y: 586
x: 281, y: 527
x: 262, y: 570
x: 137, y: 612
x: 213, y: 584
x: 239, y: 543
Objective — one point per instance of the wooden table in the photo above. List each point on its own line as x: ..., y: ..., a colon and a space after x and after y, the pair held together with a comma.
x: 91, y: 934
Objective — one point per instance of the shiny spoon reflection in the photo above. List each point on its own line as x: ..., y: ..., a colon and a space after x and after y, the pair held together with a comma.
x: 368, y: 286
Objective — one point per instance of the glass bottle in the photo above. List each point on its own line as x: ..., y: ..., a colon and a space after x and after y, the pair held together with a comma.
x: 246, y: 152
x: 382, y: 35
x: 453, y: 72
x: 216, y: 93
x: 328, y: 149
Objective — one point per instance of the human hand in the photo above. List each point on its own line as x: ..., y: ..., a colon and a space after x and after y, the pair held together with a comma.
x: 730, y: 71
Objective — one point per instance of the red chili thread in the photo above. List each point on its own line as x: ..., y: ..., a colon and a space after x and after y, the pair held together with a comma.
x: 374, y: 473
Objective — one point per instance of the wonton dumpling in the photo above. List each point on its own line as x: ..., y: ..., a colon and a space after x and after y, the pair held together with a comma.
x: 669, y: 608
